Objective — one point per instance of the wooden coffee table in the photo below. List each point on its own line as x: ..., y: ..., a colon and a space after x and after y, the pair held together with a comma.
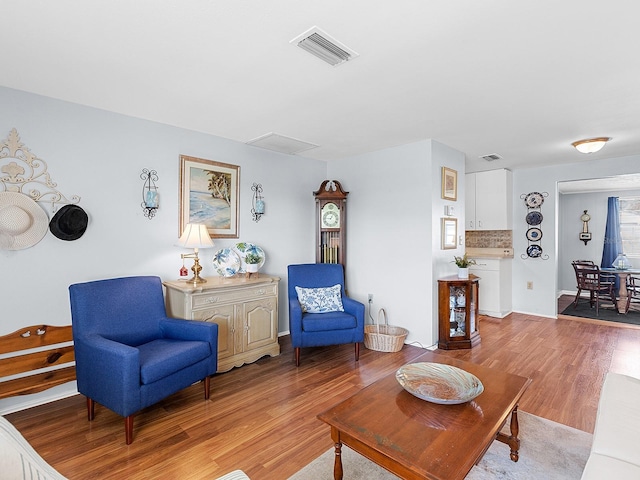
x: 416, y: 439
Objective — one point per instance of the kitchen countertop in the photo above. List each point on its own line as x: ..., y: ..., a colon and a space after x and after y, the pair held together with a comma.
x: 489, y: 252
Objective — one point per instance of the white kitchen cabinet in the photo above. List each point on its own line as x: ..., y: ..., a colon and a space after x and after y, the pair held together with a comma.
x: 489, y: 200
x: 245, y: 310
x: 495, y: 286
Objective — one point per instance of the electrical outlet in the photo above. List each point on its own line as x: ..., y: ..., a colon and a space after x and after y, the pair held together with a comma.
x: 529, y: 285
x: 370, y: 297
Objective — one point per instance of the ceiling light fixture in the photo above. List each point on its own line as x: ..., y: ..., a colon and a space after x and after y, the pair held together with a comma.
x: 590, y: 145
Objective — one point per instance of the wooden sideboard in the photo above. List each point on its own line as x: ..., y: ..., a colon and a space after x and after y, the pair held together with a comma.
x: 245, y: 309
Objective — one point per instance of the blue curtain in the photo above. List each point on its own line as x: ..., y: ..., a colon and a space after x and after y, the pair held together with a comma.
x: 612, y: 239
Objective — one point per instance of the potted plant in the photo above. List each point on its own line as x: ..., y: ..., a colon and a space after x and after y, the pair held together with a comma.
x: 463, y: 264
x: 252, y: 260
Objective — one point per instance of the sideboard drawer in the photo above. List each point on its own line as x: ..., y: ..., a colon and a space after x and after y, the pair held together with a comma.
x: 206, y: 299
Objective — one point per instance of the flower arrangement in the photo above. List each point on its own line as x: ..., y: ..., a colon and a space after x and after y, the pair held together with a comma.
x: 463, y: 262
x: 252, y: 258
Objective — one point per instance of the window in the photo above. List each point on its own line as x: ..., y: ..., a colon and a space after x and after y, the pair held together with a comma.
x: 630, y: 225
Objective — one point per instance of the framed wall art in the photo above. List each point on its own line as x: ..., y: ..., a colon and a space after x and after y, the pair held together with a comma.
x: 209, y: 193
x: 449, y: 184
x: 449, y: 229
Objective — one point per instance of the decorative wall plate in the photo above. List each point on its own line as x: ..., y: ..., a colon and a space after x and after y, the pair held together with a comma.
x: 226, y: 262
x: 534, y: 218
x: 534, y: 251
x: 244, y: 248
x: 534, y: 234
x: 533, y: 199
x: 439, y: 383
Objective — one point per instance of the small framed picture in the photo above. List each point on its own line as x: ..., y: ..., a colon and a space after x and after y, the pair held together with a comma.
x: 449, y: 184
x: 209, y: 194
x: 449, y: 233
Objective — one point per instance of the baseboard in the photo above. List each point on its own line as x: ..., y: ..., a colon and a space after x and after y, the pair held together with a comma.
x: 494, y: 314
x: 535, y: 314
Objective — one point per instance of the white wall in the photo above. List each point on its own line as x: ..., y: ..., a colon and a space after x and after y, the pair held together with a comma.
x: 393, y: 231
x: 99, y: 156
x: 542, y: 299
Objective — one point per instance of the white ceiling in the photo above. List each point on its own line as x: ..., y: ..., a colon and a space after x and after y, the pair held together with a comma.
x: 520, y: 79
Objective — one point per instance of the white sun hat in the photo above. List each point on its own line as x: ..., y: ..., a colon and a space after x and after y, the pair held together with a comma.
x: 22, y: 222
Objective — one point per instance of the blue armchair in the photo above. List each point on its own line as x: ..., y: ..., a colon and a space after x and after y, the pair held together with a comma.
x: 328, y: 328
x: 129, y: 354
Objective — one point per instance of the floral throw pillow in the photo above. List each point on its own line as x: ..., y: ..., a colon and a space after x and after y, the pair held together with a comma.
x: 320, y: 300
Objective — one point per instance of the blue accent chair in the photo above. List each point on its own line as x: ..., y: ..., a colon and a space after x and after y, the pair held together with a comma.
x: 320, y: 329
x: 129, y: 354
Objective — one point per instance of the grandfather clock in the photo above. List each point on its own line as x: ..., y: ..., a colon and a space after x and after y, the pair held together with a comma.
x: 331, y: 223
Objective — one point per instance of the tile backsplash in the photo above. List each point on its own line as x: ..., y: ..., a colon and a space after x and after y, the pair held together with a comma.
x: 489, y: 238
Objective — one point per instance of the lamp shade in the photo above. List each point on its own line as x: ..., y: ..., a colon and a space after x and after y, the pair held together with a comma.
x: 621, y: 262
x: 590, y: 145
x: 195, y: 235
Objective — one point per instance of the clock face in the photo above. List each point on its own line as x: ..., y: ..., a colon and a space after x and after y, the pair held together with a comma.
x: 585, y: 217
x: 534, y: 200
x: 330, y: 216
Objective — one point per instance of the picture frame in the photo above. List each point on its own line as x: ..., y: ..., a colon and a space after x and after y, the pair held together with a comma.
x: 209, y: 194
x: 449, y: 184
x: 449, y: 229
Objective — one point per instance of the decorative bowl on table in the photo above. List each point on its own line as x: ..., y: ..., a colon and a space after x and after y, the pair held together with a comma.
x: 439, y: 383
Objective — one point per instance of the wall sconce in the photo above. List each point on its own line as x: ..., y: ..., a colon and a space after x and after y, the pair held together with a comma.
x: 585, y: 236
x: 195, y: 236
x: 257, y: 209
x: 149, y: 193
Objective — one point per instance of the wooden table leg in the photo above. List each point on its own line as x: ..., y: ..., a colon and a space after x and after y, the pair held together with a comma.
x: 623, y: 304
x: 337, y: 465
x: 512, y: 440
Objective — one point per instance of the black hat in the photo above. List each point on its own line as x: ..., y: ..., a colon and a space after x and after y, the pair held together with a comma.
x: 69, y: 223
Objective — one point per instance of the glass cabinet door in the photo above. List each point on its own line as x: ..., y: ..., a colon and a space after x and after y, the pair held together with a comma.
x: 457, y: 306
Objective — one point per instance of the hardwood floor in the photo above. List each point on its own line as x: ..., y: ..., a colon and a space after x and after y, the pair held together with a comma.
x: 261, y: 418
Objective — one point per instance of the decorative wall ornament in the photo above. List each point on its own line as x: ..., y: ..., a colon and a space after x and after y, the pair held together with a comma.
x: 533, y: 201
x: 149, y: 193
x: 257, y: 208
x: 23, y: 172
x: 585, y: 235
x: 25, y: 180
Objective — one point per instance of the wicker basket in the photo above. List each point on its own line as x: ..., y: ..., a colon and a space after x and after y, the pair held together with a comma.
x: 384, y: 338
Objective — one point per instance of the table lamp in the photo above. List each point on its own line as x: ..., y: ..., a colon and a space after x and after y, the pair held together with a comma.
x: 195, y: 236
x: 621, y: 262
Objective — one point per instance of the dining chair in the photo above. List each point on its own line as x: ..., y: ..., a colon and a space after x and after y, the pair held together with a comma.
x: 633, y: 291
x: 590, y: 279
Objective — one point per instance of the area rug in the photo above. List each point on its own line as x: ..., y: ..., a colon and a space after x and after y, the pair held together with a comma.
x: 548, y: 450
x: 605, y: 312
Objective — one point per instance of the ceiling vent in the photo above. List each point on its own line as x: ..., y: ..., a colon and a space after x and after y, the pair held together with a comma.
x: 282, y: 144
x: 491, y: 157
x: 320, y: 44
